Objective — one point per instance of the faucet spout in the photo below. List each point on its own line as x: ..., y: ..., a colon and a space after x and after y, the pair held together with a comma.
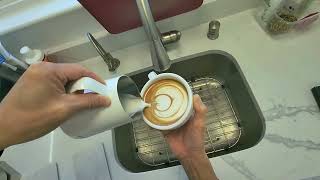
x: 159, y: 55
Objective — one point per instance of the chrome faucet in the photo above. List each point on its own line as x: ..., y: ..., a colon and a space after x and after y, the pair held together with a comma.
x: 111, y: 62
x: 159, y: 55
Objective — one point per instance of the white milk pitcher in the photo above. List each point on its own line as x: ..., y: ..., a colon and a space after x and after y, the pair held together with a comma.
x: 126, y: 106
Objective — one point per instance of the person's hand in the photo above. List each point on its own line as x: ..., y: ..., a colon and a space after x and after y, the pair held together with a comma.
x: 38, y: 102
x: 187, y: 143
x: 188, y: 140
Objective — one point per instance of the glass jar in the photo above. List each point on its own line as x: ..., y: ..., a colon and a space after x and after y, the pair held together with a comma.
x: 280, y: 16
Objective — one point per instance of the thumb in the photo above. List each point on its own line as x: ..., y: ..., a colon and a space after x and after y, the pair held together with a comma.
x: 79, y: 102
x: 199, y: 107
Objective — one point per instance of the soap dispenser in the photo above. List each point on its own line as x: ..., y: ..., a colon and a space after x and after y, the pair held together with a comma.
x: 32, y: 56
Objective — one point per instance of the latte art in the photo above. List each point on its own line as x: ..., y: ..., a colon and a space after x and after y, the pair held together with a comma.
x: 162, y: 107
x: 169, y: 101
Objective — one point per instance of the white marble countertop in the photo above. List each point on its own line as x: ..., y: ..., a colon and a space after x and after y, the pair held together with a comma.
x: 280, y: 71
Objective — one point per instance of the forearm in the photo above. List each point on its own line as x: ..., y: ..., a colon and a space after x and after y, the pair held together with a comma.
x: 198, y: 167
x: 3, y: 129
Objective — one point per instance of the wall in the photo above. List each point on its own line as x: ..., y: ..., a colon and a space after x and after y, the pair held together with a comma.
x: 68, y: 30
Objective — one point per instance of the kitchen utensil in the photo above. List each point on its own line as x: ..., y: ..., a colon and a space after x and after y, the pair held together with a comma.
x: 126, y: 103
x: 111, y: 62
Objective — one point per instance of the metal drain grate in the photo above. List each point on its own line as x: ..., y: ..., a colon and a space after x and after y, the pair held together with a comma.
x: 222, y: 126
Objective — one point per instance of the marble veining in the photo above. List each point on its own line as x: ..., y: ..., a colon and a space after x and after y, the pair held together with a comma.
x: 240, y: 167
x: 279, y: 111
x: 292, y: 143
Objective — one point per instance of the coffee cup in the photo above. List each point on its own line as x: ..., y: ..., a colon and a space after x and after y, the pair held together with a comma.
x: 171, y: 100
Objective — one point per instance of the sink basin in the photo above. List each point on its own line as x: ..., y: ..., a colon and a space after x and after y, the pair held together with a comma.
x: 5, y: 87
x: 234, y: 123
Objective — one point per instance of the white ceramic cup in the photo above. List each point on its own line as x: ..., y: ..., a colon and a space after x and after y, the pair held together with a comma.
x: 94, y: 121
x: 153, y: 78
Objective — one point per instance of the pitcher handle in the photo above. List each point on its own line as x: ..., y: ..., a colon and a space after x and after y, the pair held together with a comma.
x: 152, y: 75
x: 87, y: 83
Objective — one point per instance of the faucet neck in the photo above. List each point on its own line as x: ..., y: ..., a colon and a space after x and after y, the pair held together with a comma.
x: 159, y: 55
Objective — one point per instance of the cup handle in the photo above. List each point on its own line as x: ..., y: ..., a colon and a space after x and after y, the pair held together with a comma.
x: 152, y: 75
x: 87, y: 83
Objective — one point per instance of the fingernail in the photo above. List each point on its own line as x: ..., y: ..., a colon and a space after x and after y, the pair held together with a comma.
x: 197, y: 96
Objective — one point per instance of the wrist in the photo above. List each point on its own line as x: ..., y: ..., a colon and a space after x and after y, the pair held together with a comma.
x: 198, y: 166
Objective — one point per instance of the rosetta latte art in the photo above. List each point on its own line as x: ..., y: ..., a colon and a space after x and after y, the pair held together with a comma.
x: 169, y: 101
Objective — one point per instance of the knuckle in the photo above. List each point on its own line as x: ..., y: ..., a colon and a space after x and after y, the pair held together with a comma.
x: 34, y: 70
x: 99, y: 101
x: 40, y: 68
x: 94, y: 101
x: 80, y: 69
x: 61, y: 111
x: 91, y: 102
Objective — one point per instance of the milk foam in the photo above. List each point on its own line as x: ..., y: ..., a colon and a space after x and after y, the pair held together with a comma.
x: 169, y: 101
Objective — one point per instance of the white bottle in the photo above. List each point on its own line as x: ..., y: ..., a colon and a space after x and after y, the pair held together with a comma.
x: 32, y: 56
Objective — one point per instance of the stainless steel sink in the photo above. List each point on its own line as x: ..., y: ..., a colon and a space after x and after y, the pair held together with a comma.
x: 234, y: 121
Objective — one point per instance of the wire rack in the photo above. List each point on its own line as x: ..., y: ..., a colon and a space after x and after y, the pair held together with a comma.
x: 222, y: 126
